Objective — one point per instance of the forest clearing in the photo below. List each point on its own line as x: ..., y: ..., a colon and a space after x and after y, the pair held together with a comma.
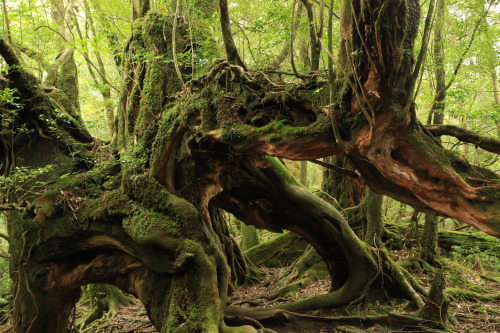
x: 249, y: 166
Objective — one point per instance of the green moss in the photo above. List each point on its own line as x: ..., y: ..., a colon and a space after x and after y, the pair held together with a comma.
x: 148, y: 225
x: 278, y: 252
x: 235, y: 133
x: 319, y: 97
x: 154, y: 196
x: 114, y: 203
x: 68, y: 182
x: 281, y: 169
x: 466, y: 295
x: 488, y: 311
x: 112, y: 183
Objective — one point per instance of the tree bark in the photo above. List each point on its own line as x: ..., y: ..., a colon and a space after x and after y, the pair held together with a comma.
x: 62, y: 72
x: 146, y: 219
x: 346, y: 191
x: 231, y: 51
x: 315, y: 34
x: 429, y: 241
x: 496, y: 93
x: 374, y: 227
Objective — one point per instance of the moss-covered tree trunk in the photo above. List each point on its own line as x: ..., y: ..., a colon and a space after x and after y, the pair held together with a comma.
x: 249, y: 236
x: 62, y: 72
x: 428, y: 251
x: 374, y: 227
x: 436, y: 117
x: 103, y: 298
x: 145, y: 218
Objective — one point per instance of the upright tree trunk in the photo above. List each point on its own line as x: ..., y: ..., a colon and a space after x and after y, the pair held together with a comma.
x: 428, y: 251
x: 347, y: 191
x: 496, y: 93
x: 303, y: 174
x: 7, y: 22
x: 429, y: 235
x: 438, y: 104
x: 63, y: 73
x: 374, y: 228
x: 315, y: 33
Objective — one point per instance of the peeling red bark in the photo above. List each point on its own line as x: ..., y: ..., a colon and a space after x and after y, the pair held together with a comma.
x: 426, y: 178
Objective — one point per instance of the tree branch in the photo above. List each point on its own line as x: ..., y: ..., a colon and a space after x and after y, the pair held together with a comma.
x: 346, y: 172
x: 462, y: 57
x: 8, y: 54
x: 7, y: 207
x: 488, y: 144
x: 5, y: 237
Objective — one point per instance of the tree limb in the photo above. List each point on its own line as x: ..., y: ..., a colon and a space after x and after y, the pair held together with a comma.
x: 4, y: 236
x: 6, y: 207
x: 8, y: 54
x: 335, y: 168
x: 488, y: 144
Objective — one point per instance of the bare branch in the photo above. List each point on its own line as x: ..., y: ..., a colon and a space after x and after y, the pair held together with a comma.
x: 488, y: 144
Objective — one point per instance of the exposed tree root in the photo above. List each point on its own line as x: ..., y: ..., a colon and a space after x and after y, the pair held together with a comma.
x: 467, y: 295
x: 104, y: 299
x: 286, y: 321
x: 307, y: 269
x: 278, y: 252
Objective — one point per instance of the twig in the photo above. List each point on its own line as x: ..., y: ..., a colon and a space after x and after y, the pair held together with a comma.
x: 246, y: 37
x: 455, y: 72
x: 54, y: 30
x: 4, y: 236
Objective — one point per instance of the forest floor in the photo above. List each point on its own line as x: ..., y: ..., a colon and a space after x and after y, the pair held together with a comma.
x: 471, y: 317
